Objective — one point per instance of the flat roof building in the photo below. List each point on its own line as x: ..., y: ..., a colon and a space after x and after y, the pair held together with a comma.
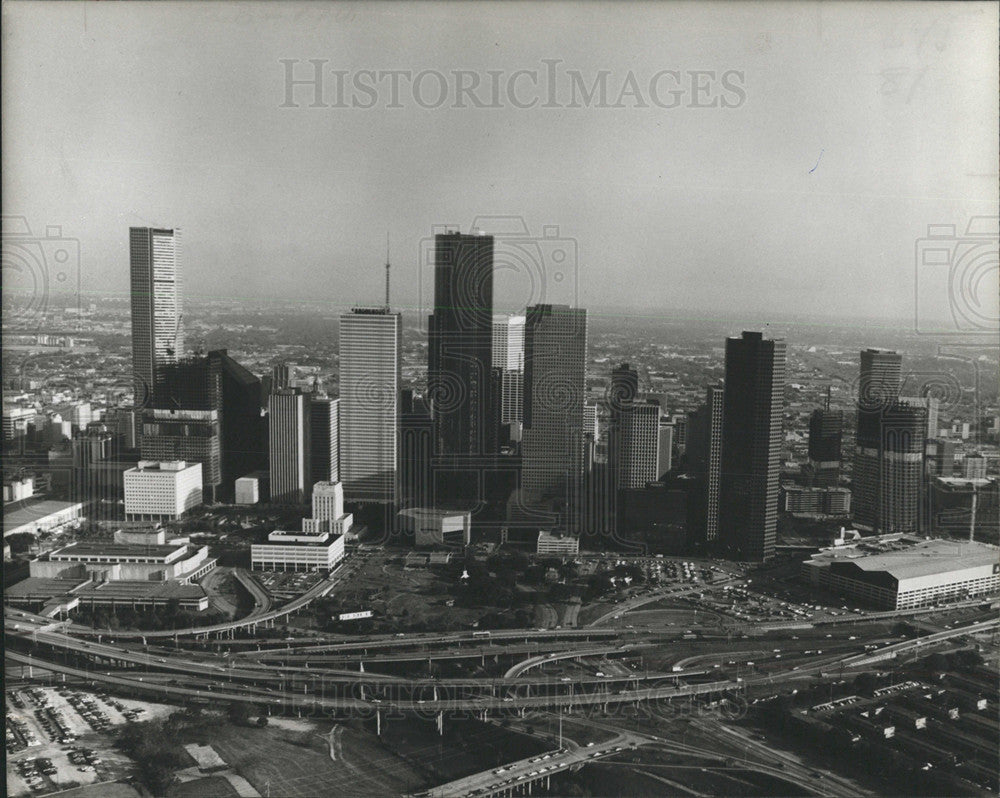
x: 431, y: 527
x: 549, y: 543
x: 297, y: 551
x: 900, y: 572
x: 162, y: 490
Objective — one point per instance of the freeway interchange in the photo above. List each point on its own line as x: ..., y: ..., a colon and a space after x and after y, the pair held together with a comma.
x: 585, y: 671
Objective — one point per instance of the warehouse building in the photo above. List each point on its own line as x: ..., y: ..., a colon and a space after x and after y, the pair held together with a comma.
x: 903, y: 572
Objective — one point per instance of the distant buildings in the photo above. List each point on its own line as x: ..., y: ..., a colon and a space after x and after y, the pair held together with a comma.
x: 289, y: 434
x: 162, y: 491
x: 555, y: 351
x: 816, y: 501
x: 370, y: 352
x: 751, y: 445
x: 15, y: 421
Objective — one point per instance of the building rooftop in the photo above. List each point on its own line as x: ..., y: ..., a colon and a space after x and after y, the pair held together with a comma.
x: 103, y: 549
x: 907, y: 558
x: 29, y: 511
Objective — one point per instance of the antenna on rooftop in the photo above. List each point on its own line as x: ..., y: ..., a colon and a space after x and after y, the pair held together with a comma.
x: 387, y: 270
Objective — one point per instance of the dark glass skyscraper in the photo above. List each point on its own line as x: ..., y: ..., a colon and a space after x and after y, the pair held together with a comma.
x: 826, y: 431
x: 751, y: 445
x: 460, y: 353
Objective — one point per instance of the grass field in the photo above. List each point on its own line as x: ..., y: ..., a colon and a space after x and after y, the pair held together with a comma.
x: 293, y: 765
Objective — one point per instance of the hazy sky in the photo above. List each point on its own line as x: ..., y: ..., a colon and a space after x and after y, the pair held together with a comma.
x: 845, y: 131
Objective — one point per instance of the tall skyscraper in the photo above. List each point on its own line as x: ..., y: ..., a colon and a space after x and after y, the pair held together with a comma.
x: 157, y: 329
x: 460, y: 354
x: 324, y: 417
x: 826, y: 431
x: 289, y: 446
x: 880, y: 380
x: 888, y: 468
x: 665, y: 458
x: 751, y: 445
x: 244, y: 434
x: 637, y: 446
x: 704, y: 456
x: 370, y: 351
x: 508, y: 356
x: 555, y: 353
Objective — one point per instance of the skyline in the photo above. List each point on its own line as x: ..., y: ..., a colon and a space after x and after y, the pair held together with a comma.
x: 818, y: 185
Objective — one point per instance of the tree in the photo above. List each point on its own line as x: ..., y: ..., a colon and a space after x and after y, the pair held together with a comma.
x: 239, y: 713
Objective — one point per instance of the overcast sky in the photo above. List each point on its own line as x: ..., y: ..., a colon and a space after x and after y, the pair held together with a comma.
x: 834, y: 134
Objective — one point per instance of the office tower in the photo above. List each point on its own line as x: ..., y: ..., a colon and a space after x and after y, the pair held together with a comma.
x: 826, y: 431
x: 939, y: 457
x: 327, y: 501
x: 325, y: 420
x: 281, y: 376
x: 98, y: 464
x: 416, y: 447
x: 289, y: 446
x: 590, y: 425
x: 754, y: 401
x: 194, y: 436
x: 370, y: 350
x: 555, y: 351
x: 508, y: 342
x: 704, y: 457
x: 665, y: 447
x: 15, y: 421
x: 460, y: 353
x: 157, y: 331
x: 974, y: 466
x: 932, y: 406
x: 888, y: 468
x: 244, y: 433
x: 679, y: 420
x: 880, y: 379
x: 638, y: 446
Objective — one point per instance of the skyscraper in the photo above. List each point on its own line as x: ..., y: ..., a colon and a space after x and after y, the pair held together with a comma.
x: 751, y: 445
x: 826, y: 430
x: 324, y: 417
x: 889, y: 468
x: 880, y: 379
x: 289, y: 446
x: 370, y: 351
x: 157, y: 330
x: 704, y: 456
x: 460, y: 354
x: 637, y: 445
x: 192, y: 435
x: 508, y: 356
x: 555, y: 352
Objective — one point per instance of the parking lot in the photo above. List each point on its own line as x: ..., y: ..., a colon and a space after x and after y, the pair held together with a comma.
x: 59, y: 737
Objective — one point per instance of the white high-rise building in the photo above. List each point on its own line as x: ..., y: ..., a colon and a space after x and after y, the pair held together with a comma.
x: 370, y: 351
x: 161, y: 491
x: 508, y: 356
x: 157, y: 329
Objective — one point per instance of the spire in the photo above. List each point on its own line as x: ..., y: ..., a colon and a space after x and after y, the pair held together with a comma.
x: 387, y: 270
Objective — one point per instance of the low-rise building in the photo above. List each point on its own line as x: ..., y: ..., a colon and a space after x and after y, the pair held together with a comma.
x: 900, y: 572
x: 113, y: 562
x: 431, y: 527
x: 297, y: 551
x: 40, y: 515
x: 560, y: 545
x: 162, y: 490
